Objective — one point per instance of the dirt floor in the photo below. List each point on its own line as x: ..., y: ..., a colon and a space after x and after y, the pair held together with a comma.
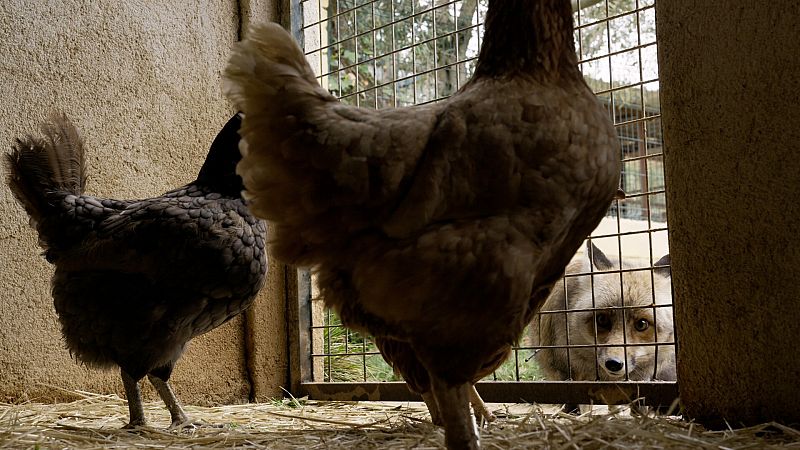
x: 95, y: 421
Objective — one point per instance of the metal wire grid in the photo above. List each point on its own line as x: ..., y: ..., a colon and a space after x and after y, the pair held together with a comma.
x: 390, y: 53
x: 409, y: 52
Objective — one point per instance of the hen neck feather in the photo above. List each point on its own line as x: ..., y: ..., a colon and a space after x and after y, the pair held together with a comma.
x: 228, y: 185
x: 218, y: 173
x: 528, y: 37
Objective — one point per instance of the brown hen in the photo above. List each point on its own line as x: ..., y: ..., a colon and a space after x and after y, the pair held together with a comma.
x: 440, y: 228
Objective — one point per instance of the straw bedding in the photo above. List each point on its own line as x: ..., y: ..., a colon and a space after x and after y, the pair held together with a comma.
x: 94, y: 422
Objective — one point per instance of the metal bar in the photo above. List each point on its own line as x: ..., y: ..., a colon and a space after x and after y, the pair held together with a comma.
x: 654, y: 393
x: 617, y: 53
x: 298, y: 342
x: 358, y: 353
x: 620, y: 271
x: 329, y: 361
x: 605, y: 308
x: 568, y: 346
x: 629, y: 233
x: 435, y: 58
x: 637, y: 158
x: 457, y: 49
x: 374, y: 79
x: 524, y: 347
x: 298, y: 284
x: 413, y: 46
x: 356, y: 63
x: 394, y: 51
x: 295, y: 21
x: 566, y: 327
x: 615, y: 16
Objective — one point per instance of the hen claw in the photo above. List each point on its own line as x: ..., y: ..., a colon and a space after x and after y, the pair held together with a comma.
x: 190, y: 425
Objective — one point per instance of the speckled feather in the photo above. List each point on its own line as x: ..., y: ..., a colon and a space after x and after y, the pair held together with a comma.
x: 135, y: 280
x: 188, y: 261
x: 443, y: 226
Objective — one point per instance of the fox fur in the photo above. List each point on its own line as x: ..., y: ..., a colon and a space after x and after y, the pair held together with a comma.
x: 601, y: 314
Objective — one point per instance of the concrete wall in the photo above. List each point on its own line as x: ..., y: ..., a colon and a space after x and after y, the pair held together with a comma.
x: 142, y: 82
x: 730, y: 81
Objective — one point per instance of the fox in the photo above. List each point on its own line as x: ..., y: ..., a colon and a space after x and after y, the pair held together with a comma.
x: 599, y: 319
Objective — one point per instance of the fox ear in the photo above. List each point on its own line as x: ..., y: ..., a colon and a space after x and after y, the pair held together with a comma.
x: 661, y: 267
x: 597, y: 257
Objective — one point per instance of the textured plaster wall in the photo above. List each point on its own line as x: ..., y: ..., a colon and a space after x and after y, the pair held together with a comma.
x: 730, y: 83
x: 141, y: 80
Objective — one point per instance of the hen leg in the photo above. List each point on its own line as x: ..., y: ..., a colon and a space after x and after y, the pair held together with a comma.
x: 433, y: 408
x: 179, y: 417
x: 135, y: 410
x: 460, y: 431
x: 481, y: 411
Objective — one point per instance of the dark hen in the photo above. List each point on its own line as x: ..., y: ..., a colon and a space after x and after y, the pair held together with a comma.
x: 440, y: 228
x: 135, y: 280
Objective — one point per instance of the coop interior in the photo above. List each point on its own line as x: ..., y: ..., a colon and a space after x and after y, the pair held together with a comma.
x: 673, y: 325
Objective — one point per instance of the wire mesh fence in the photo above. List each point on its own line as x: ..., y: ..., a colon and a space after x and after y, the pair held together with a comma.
x: 394, y: 53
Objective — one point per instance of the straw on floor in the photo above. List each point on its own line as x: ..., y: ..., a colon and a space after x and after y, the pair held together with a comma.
x: 94, y: 422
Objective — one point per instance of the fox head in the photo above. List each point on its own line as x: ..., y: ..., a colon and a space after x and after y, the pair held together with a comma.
x: 605, y: 321
x: 620, y: 311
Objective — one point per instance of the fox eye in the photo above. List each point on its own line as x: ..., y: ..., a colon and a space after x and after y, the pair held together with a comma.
x: 641, y: 325
x: 603, y: 320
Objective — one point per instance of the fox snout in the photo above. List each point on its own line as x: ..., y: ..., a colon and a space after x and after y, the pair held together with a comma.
x: 635, y: 363
x: 612, y: 361
x: 614, y: 365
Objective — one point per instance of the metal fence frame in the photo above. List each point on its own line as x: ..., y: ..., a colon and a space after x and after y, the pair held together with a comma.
x: 299, y: 317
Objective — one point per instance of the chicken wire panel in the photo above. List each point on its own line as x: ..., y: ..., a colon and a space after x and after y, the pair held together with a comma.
x: 394, y: 53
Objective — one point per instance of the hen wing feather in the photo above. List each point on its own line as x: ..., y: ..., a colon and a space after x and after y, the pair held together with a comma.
x: 174, y: 240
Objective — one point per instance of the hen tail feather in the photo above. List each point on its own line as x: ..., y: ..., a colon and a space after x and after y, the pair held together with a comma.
x: 38, y: 167
x: 269, y: 80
